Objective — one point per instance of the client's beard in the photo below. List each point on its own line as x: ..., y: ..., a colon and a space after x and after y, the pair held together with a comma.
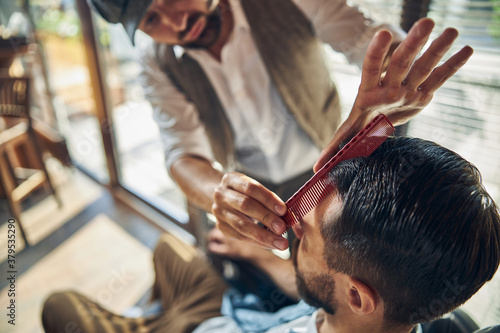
x: 210, y: 33
x: 319, y: 289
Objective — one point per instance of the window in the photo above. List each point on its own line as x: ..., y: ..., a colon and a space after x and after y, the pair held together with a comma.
x: 465, y: 113
x: 59, y: 30
x: 140, y: 156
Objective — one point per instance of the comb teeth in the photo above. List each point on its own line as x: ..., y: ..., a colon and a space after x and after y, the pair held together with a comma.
x: 305, y: 203
x: 319, y: 186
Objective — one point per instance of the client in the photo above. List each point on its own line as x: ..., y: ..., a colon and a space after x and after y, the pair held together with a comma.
x: 408, y: 234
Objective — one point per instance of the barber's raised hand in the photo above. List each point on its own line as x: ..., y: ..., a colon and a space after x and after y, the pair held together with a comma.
x: 240, y: 202
x: 407, y: 86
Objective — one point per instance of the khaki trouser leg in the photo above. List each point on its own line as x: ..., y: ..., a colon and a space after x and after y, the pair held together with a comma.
x: 187, y: 284
x: 190, y: 291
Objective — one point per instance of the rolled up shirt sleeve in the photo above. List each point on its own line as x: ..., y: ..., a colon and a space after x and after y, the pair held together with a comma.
x: 344, y: 27
x: 181, y: 130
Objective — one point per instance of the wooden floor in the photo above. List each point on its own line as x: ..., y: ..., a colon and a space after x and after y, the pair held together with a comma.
x: 98, y: 244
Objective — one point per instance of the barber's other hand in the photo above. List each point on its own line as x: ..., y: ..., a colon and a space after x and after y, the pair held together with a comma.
x: 407, y: 86
x: 229, y: 247
x: 239, y: 202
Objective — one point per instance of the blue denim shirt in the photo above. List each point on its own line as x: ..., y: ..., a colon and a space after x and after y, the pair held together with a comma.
x: 252, y: 314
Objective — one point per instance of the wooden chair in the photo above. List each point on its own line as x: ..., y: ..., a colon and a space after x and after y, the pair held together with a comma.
x: 22, y: 168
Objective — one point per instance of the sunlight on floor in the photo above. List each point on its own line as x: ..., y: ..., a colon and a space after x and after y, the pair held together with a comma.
x: 101, y: 260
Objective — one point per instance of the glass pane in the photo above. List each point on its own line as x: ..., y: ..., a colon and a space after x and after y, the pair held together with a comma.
x: 58, y: 28
x: 464, y: 114
x: 141, y: 159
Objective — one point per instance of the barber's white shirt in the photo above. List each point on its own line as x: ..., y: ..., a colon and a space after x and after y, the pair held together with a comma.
x: 270, y: 144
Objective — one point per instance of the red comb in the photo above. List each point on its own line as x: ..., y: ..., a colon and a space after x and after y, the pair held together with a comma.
x: 318, y: 187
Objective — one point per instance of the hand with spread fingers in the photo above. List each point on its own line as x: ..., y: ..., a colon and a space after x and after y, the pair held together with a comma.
x: 406, y: 87
x: 239, y: 202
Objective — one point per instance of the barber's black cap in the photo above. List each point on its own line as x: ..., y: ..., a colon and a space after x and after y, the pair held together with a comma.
x: 127, y: 12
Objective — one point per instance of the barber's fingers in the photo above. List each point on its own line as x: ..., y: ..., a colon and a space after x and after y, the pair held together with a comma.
x: 252, y: 188
x: 239, y: 201
x: 236, y: 225
x: 424, y: 65
x: 374, y: 60
x: 405, y: 53
x: 443, y: 72
x: 251, y: 198
x: 402, y: 93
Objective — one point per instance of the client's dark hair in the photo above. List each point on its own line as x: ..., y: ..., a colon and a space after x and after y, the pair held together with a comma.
x: 416, y: 225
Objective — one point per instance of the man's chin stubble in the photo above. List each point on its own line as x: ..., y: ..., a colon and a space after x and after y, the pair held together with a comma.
x: 319, y: 283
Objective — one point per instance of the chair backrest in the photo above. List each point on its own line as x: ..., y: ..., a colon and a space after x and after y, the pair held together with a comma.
x: 493, y: 329
x: 14, y: 97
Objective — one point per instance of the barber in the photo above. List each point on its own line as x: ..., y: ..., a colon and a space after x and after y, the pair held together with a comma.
x: 245, y: 85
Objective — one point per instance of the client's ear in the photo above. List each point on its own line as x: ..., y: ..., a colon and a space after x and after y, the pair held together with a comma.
x: 361, y: 298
